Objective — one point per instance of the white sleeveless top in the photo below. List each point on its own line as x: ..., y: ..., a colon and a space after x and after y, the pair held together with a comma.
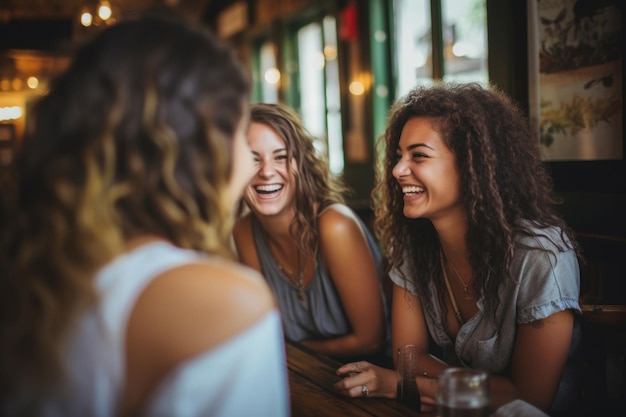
x: 243, y: 376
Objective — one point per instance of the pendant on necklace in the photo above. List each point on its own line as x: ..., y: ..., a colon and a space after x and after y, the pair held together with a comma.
x: 301, y: 294
x: 299, y: 283
x: 466, y: 293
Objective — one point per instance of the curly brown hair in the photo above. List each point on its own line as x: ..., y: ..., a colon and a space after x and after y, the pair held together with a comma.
x: 135, y: 138
x: 315, y: 184
x: 505, y: 187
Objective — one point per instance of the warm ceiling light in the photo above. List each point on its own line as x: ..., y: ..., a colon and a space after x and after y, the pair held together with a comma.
x: 104, y: 10
x: 356, y: 88
x: 272, y: 76
x: 330, y: 52
x: 86, y: 19
x: 32, y: 82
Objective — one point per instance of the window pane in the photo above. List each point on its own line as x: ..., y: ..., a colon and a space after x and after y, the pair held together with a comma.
x: 311, y: 67
x: 319, y: 89
x: 413, y: 44
x: 270, y: 77
x: 465, y: 40
x: 333, y: 98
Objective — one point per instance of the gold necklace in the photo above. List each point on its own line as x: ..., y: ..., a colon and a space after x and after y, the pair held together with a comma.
x: 457, y: 312
x: 466, y: 291
x: 298, y: 281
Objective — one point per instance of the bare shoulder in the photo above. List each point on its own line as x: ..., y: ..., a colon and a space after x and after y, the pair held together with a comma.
x: 341, y: 237
x: 194, y: 307
x: 336, y: 220
x: 186, y: 311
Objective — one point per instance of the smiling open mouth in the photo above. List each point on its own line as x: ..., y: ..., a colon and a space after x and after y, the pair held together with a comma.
x: 412, y: 190
x: 268, y: 189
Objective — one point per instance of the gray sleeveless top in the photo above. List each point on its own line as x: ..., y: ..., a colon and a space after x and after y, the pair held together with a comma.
x: 321, y: 316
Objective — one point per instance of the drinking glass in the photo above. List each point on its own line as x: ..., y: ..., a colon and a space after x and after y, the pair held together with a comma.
x: 408, y: 394
x: 463, y: 392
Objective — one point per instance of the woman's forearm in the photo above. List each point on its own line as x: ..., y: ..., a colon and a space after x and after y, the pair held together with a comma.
x: 348, y: 345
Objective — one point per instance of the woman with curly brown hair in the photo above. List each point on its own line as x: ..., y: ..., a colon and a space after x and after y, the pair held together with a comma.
x: 318, y: 257
x: 480, y: 261
x: 119, y: 293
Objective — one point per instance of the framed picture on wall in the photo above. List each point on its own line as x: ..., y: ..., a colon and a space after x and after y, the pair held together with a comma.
x: 576, y: 94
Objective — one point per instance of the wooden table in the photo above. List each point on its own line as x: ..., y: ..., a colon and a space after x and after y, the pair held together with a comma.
x: 311, y: 380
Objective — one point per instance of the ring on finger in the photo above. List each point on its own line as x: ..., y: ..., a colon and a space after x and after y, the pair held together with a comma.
x: 364, y: 390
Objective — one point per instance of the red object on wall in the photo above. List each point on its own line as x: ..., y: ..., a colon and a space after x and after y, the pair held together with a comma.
x: 349, y: 28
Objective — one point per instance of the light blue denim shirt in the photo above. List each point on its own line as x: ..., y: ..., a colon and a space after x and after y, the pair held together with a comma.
x: 543, y: 283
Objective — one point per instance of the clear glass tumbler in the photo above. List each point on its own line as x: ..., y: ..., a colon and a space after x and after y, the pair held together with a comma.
x: 463, y: 392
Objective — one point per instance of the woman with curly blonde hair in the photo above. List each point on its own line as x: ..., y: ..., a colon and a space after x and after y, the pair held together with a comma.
x: 317, y: 255
x: 481, y: 263
x: 119, y: 294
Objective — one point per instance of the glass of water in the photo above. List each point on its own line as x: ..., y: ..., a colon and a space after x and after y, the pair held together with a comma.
x: 463, y: 392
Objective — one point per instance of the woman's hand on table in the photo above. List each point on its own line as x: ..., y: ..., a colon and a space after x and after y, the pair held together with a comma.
x: 427, y: 387
x: 379, y: 382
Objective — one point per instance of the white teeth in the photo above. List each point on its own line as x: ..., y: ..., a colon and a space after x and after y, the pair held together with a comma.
x: 412, y: 190
x: 268, y: 188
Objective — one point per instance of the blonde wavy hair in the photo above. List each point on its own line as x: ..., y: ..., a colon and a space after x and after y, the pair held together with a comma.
x: 135, y: 138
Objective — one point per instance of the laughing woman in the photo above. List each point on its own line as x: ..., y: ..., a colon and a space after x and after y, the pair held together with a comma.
x: 481, y: 263
x: 318, y: 257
